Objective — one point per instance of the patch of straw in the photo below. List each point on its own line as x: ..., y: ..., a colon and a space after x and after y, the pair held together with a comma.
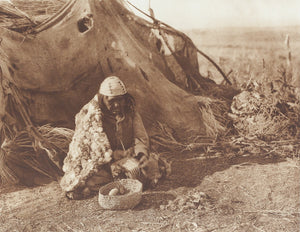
x: 165, y: 139
x: 213, y: 126
x: 23, y: 150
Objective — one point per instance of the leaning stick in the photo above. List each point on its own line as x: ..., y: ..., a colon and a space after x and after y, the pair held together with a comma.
x: 157, y: 22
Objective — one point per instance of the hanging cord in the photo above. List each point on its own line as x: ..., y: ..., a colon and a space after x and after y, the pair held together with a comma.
x: 185, y: 37
x: 119, y: 120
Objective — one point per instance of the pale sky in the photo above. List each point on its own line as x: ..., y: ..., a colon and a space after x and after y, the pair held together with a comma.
x: 187, y: 14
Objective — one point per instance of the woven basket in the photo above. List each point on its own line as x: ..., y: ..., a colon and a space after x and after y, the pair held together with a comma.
x: 132, y: 196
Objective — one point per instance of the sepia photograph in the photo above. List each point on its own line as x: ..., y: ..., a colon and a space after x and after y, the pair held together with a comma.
x: 149, y: 116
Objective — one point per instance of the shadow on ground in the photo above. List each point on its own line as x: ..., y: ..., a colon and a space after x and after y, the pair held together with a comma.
x: 188, y: 170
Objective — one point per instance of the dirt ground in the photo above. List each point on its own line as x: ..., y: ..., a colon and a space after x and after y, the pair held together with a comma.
x: 223, y: 194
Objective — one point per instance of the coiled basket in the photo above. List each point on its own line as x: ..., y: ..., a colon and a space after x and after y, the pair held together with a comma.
x: 133, y: 195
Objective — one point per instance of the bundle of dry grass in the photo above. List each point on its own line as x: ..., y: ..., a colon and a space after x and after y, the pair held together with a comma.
x: 268, y: 118
x: 249, y: 146
x: 24, y: 158
x: 164, y: 140
x: 214, y: 112
x: 216, y: 122
x: 20, y: 17
x: 267, y: 122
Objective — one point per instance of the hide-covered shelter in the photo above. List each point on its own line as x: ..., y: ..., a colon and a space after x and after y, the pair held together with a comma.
x: 49, y: 70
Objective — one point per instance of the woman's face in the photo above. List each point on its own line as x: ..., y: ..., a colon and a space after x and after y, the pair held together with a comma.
x: 116, y: 105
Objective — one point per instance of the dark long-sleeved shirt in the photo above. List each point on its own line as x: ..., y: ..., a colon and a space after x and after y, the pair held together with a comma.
x: 126, y: 133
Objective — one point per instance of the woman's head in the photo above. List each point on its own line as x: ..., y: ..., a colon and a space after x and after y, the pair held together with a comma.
x: 114, y: 96
x: 112, y: 86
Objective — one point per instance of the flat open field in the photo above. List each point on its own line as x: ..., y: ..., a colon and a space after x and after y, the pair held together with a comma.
x: 248, y: 52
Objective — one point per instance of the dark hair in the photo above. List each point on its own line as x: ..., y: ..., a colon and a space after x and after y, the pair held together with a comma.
x: 129, y: 99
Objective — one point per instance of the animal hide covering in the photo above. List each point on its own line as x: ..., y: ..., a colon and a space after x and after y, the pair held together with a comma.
x: 89, y: 149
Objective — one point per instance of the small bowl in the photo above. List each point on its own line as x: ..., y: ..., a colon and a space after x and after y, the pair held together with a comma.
x: 133, y: 195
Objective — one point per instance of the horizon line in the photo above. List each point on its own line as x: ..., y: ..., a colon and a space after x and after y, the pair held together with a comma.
x: 240, y: 27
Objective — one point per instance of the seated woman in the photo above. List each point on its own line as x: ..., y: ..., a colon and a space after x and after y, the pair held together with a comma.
x: 113, y: 145
x: 121, y: 122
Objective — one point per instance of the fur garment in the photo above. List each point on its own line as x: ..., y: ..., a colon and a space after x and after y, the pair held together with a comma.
x: 89, y: 149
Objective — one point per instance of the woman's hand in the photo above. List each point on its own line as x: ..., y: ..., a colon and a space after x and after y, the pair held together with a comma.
x: 143, y: 159
x: 120, y: 154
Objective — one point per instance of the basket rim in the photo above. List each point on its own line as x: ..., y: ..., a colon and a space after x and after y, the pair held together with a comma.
x: 111, y: 184
x: 121, y: 202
